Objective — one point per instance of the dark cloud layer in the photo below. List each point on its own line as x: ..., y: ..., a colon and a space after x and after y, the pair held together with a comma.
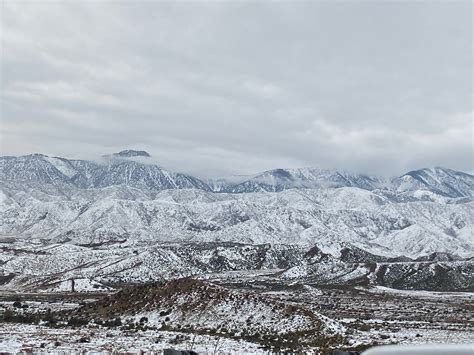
x: 240, y: 87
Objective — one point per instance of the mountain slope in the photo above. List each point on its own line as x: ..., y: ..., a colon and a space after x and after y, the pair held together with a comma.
x: 119, y: 169
x: 301, y: 217
x: 282, y: 179
x: 442, y: 181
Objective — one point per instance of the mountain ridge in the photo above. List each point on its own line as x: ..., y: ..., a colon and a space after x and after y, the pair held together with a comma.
x: 121, y: 168
x: 124, y: 210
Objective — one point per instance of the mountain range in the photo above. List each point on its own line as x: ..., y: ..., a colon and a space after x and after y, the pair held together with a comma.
x: 123, y: 168
x: 61, y: 218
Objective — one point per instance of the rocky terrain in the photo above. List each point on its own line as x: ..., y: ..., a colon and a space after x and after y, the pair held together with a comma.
x: 234, y: 311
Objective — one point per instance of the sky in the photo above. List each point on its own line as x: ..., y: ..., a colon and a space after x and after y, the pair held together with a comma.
x: 238, y: 87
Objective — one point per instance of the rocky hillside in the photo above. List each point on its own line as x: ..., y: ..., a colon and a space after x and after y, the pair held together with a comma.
x: 189, y: 305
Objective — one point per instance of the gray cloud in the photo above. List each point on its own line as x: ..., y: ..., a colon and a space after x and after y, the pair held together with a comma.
x: 240, y: 87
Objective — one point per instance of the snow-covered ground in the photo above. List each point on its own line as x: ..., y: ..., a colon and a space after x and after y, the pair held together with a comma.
x: 420, y: 293
x: 16, y: 338
x: 80, y: 285
x: 357, y: 315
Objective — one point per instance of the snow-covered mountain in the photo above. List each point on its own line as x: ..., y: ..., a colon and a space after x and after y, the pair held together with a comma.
x: 133, y: 168
x: 129, y: 153
x: 117, y: 169
x: 367, y: 219
x: 125, y: 201
x: 122, y: 197
x: 442, y: 181
x: 283, y: 179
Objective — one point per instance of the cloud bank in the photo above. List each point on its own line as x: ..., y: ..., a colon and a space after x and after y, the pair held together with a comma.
x: 214, y: 88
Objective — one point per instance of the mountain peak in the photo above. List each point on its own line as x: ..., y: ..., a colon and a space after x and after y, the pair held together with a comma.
x: 440, y: 180
x: 129, y: 153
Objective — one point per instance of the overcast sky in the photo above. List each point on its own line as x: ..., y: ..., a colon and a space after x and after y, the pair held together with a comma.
x: 240, y: 87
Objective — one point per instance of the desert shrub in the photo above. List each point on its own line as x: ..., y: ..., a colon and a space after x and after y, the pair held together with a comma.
x: 8, y: 315
x: 77, y: 322
x: 165, y: 313
x: 116, y: 322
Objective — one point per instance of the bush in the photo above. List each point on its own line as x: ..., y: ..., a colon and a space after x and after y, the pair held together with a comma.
x: 77, y: 322
x: 8, y: 315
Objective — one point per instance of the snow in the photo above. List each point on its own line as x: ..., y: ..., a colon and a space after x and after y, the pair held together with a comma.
x: 80, y: 285
x: 305, y: 217
x: 16, y: 338
x: 119, y: 217
x: 10, y: 346
x: 422, y: 294
x: 62, y: 165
